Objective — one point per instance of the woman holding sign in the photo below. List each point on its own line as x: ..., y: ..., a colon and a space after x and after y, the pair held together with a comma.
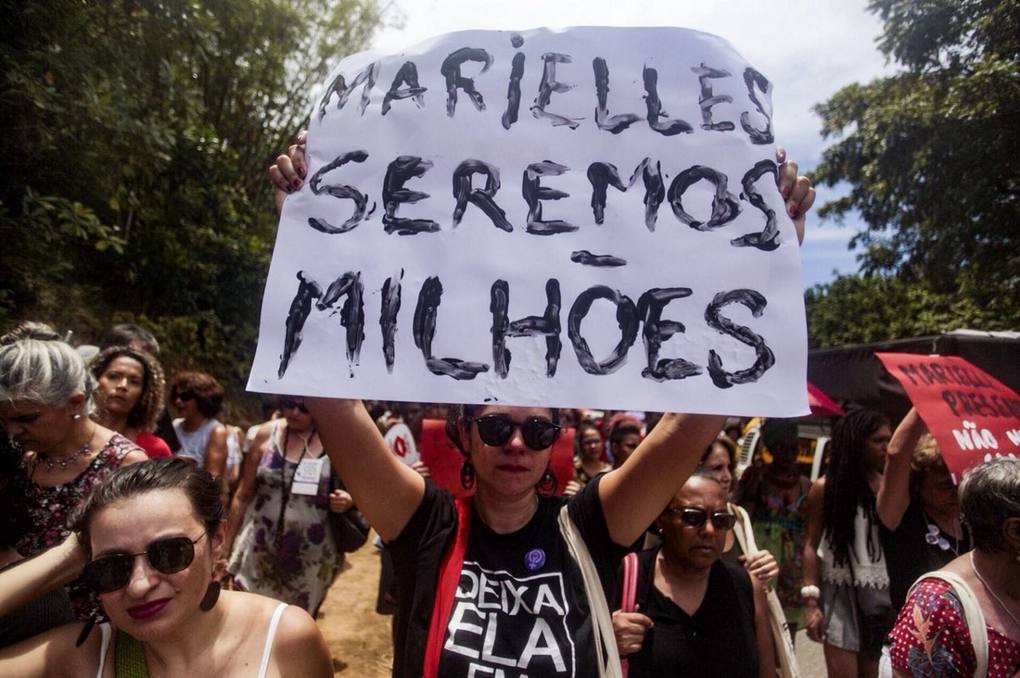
x: 504, y: 582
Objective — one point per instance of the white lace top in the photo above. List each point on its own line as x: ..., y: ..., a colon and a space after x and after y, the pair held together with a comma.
x: 866, y: 572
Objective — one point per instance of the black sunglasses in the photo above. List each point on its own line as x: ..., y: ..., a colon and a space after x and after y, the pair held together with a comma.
x: 183, y: 396
x: 289, y: 404
x: 496, y: 429
x: 113, y: 572
x: 695, y: 517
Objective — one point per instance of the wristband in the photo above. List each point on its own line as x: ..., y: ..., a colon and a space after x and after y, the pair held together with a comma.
x: 812, y: 592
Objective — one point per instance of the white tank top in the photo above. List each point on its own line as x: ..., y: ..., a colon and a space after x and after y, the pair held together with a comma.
x: 267, y: 649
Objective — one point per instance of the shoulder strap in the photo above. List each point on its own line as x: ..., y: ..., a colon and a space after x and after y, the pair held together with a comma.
x: 628, y: 598
x: 602, y: 623
x: 129, y: 656
x: 267, y: 650
x: 104, y: 645
x: 743, y: 532
x: 786, y: 655
x: 449, y: 577
x: 972, y: 614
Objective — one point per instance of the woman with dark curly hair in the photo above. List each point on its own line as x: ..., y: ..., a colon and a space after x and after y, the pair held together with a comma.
x: 851, y: 612
x: 129, y: 396
x: 198, y: 398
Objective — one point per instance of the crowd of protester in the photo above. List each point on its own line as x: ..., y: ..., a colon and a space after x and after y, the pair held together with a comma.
x: 131, y: 541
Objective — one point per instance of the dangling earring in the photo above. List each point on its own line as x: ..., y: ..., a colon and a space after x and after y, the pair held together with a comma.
x: 547, y: 484
x: 212, y: 594
x: 467, y: 474
x: 97, y: 618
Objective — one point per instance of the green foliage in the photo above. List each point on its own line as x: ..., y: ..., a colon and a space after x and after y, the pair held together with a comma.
x: 932, y: 156
x: 871, y: 308
x: 136, y: 139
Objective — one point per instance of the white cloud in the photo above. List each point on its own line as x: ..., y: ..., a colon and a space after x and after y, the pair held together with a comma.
x: 809, y: 49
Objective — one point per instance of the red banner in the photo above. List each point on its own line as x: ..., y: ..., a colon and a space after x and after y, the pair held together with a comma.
x: 973, y: 416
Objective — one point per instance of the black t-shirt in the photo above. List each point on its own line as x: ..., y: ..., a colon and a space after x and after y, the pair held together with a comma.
x: 915, y: 547
x: 718, y: 640
x: 520, y: 607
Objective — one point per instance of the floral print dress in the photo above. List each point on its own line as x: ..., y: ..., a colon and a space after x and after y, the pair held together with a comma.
x: 931, y: 638
x: 50, y: 508
x: 295, y: 562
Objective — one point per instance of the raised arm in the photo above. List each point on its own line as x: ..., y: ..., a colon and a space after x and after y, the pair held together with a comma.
x: 894, y: 491
x: 634, y: 495
x: 37, y: 576
x: 386, y: 491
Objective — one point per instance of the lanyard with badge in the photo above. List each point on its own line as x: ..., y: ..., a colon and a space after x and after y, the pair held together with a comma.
x: 304, y: 480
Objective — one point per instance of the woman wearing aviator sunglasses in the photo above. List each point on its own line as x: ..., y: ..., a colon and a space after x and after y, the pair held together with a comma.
x: 699, y: 614
x: 146, y: 541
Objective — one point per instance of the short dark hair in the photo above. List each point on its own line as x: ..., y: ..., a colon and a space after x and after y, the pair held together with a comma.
x: 622, y: 430
x: 207, y: 391
x: 144, y: 415
x: 171, y: 473
x: 990, y: 494
x: 126, y: 333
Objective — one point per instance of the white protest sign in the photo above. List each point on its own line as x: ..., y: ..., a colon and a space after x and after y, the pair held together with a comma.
x: 584, y: 217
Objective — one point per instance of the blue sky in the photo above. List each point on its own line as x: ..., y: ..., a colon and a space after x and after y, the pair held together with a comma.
x: 809, y: 49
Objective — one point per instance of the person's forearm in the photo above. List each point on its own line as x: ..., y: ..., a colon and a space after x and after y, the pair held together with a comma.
x: 35, y: 577
x: 384, y: 490
x: 894, y: 492
x: 238, y: 509
x: 634, y: 495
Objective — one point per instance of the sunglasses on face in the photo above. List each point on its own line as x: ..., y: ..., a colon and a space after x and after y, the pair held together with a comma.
x: 288, y: 404
x: 497, y: 429
x: 113, y: 572
x: 184, y: 397
x: 696, y: 518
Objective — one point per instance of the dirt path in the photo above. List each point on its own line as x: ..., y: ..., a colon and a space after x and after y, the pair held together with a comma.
x: 358, y: 637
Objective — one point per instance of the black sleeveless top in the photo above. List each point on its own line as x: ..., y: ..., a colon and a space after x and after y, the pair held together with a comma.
x: 718, y: 640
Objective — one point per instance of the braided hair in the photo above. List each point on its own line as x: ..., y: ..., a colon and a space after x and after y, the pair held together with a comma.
x: 846, y: 484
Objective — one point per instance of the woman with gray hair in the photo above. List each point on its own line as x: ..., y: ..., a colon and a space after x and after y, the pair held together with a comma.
x: 932, y: 636
x: 45, y: 403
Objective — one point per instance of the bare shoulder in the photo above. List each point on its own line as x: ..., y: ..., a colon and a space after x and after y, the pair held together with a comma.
x: 297, y: 637
x: 299, y: 645
x: 134, y: 457
x: 817, y: 490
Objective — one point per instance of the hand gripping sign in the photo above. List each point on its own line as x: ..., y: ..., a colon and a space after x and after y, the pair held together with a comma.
x: 577, y: 217
x: 972, y: 416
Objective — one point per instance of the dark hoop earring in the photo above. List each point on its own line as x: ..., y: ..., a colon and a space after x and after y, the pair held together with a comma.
x: 467, y: 475
x: 212, y: 594
x: 547, y: 484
